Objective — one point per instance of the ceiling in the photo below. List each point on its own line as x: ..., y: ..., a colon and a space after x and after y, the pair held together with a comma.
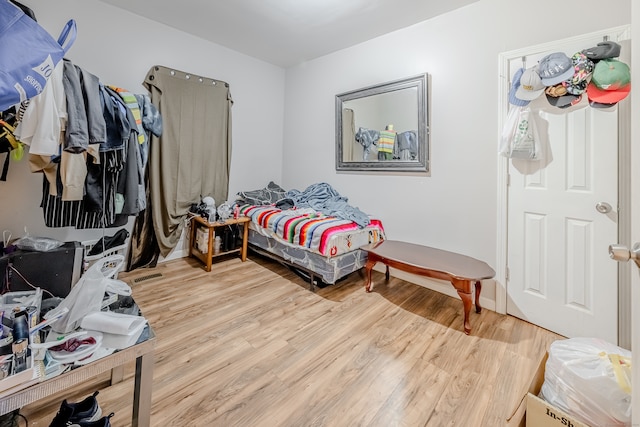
x: 288, y: 32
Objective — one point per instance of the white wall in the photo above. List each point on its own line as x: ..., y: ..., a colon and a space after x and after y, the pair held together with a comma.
x: 455, y: 207
x: 119, y: 48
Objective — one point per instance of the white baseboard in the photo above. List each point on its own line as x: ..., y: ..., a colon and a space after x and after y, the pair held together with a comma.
x: 181, y: 250
x: 175, y: 254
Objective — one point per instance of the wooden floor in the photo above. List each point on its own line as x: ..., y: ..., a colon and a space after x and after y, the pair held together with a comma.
x: 249, y: 345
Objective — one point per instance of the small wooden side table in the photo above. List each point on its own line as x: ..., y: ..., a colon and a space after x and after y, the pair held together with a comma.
x: 206, y: 258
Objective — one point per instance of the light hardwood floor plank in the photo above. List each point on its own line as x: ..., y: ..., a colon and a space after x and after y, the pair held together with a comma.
x: 248, y: 344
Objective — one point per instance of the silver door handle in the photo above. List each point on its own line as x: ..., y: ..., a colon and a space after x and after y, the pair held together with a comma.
x: 603, y: 207
x: 622, y: 253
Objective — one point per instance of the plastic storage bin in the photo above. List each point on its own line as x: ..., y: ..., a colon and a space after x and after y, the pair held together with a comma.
x: 89, y: 260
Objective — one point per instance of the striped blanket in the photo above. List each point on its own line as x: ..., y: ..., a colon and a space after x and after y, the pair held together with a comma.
x: 327, y: 235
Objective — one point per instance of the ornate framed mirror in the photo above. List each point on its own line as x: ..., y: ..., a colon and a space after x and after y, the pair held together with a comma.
x: 384, y: 127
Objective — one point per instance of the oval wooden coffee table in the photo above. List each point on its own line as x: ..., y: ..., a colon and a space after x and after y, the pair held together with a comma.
x: 461, y: 270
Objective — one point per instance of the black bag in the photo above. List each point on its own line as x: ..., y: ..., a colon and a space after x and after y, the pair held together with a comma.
x: 107, y: 242
x: 8, y: 142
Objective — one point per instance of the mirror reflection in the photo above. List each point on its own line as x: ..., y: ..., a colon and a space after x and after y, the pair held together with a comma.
x: 383, y: 127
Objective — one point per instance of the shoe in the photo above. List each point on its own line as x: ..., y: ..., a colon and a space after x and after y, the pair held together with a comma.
x: 10, y: 419
x: 102, y: 422
x: 85, y: 410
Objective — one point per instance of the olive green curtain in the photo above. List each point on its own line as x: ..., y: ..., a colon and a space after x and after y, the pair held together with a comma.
x: 192, y: 157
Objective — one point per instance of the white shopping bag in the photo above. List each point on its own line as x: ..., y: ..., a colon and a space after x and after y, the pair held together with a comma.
x: 87, y: 295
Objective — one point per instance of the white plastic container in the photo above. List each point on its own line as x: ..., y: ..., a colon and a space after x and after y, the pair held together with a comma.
x: 202, y: 240
x: 89, y: 260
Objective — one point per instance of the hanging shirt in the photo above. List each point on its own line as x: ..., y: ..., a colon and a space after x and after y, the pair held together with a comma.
x: 132, y: 103
x: 406, y: 147
x: 386, y: 141
x: 85, y: 122
x: 45, y: 117
x: 94, y: 210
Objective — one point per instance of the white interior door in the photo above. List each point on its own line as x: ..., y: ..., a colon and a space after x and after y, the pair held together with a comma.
x: 560, y: 273
x: 562, y: 215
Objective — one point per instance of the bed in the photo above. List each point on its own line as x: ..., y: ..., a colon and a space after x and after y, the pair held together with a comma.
x: 315, y: 232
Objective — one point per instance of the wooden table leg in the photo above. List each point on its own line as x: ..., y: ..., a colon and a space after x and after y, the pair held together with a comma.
x: 117, y: 375
x: 369, y: 266
x: 464, y: 291
x: 386, y: 274
x: 210, y: 248
x: 245, y: 238
x: 478, y: 290
x: 141, y: 416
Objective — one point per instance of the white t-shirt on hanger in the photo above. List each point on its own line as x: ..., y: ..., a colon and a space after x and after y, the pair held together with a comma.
x: 45, y: 117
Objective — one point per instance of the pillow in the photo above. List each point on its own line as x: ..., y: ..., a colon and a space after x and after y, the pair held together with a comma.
x: 264, y: 196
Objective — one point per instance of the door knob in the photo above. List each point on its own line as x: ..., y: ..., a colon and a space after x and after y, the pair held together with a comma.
x: 603, y: 207
x: 622, y: 253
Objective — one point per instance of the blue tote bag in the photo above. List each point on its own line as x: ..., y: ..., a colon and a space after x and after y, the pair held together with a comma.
x: 28, y: 54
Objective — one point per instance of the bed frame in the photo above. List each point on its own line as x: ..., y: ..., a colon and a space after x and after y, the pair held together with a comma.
x: 319, y: 270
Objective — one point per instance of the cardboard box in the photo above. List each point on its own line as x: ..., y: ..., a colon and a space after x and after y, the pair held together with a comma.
x: 517, y: 416
x: 543, y: 414
x: 535, y: 412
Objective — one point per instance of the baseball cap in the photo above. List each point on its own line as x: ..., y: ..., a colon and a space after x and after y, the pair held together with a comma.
x: 556, y: 90
x: 559, y: 97
x: 531, y: 86
x: 602, y: 106
x: 564, y: 101
x: 607, y: 96
x: 603, y: 50
x: 610, y: 83
x: 513, y: 99
x: 610, y: 74
x: 582, y: 71
x: 555, y: 68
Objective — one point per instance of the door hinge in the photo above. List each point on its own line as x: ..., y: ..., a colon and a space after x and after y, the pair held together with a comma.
x: 508, y: 179
x: 506, y: 273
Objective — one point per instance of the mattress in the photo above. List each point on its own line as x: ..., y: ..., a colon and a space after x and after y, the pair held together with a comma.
x: 312, y: 231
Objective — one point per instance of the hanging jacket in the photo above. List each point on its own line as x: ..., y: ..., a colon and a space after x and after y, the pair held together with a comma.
x: 115, y: 117
x: 151, y: 122
x: 131, y: 181
x: 85, y: 121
